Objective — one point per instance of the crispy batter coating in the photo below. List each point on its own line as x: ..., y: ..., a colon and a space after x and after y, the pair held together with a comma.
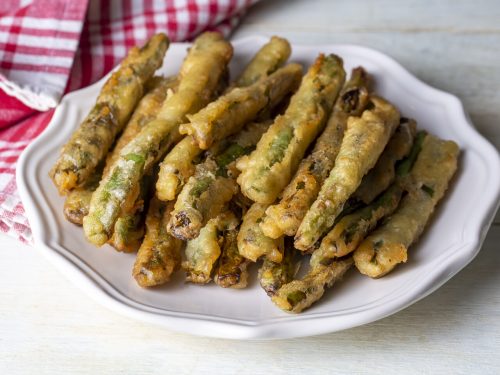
x: 90, y: 143
x: 129, y: 228
x: 179, y: 163
x: 285, y: 216
x: 159, y: 255
x: 213, y: 184
x: 202, y: 198
x: 352, y: 228
x: 230, y: 112
x: 252, y: 243
x: 145, y: 112
x: 387, y: 246
x: 270, y: 167
x: 300, y: 294
x: 199, y: 76
x: 347, y: 234
x: 77, y: 202
x: 384, y: 172
x: 176, y: 168
x: 232, y: 268
x: 272, y: 56
x: 364, y: 141
x: 273, y: 276
x: 202, y: 252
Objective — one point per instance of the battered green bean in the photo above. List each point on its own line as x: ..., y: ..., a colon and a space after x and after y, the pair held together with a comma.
x: 77, y: 202
x: 387, y: 246
x: 267, y: 60
x: 146, y: 111
x: 198, y: 79
x: 202, y: 252
x: 232, y: 268
x: 176, y: 168
x: 90, y: 143
x: 270, y: 167
x: 383, y: 173
x: 213, y: 184
x: 230, y: 112
x: 202, y: 198
x: 160, y: 253
x: 129, y: 227
x: 252, y: 243
x: 178, y: 165
x: 351, y: 229
x: 273, y: 276
x: 364, y: 141
x: 286, y: 216
x: 300, y: 294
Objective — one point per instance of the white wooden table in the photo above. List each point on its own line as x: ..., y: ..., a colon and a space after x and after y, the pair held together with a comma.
x: 48, y: 326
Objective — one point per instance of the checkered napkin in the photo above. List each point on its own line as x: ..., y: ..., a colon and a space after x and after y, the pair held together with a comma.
x: 49, y: 47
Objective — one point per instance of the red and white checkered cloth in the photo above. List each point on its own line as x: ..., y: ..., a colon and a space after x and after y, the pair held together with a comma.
x: 48, y: 47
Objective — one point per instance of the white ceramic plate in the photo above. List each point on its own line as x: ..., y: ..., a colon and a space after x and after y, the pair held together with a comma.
x: 451, y: 241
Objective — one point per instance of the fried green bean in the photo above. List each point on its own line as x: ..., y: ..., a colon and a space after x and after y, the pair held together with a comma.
x: 198, y: 78
x: 202, y: 198
x: 230, y: 112
x: 129, y: 227
x: 227, y: 152
x: 273, y: 276
x: 202, y: 252
x: 270, y: 167
x: 252, y: 243
x: 384, y: 172
x: 364, y: 141
x: 213, y: 184
x: 300, y: 294
x: 388, y: 245
x: 286, y: 216
x: 145, y: 112
x: 77, y: 202
x: 352, y: 228
x: 176, y: 168
x: 347, y: 234
x: 90, y: 143
x: 178, y: 165
x: 232, y: 268
x: 160, y: 254
x: 267, y: 60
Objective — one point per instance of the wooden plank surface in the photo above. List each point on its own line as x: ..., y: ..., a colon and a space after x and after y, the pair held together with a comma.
x: 48, y: 326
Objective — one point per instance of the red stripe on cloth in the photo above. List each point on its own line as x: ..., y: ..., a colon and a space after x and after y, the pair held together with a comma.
x: 149, y: 15
x: 11, y: 158
x: 172, y: 24
x: 13, y: 110
x: 14, y: 31
x: 109, y: 59
x: 4, y: 227
x: 34, y: 68
x: 58, y: 9
x: 42, y: 32
x: 37, y: 51
x: 193, y: 10
x: 6, y: 170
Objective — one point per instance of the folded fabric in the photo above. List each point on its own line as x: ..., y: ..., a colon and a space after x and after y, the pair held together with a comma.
x: 48, y: 47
